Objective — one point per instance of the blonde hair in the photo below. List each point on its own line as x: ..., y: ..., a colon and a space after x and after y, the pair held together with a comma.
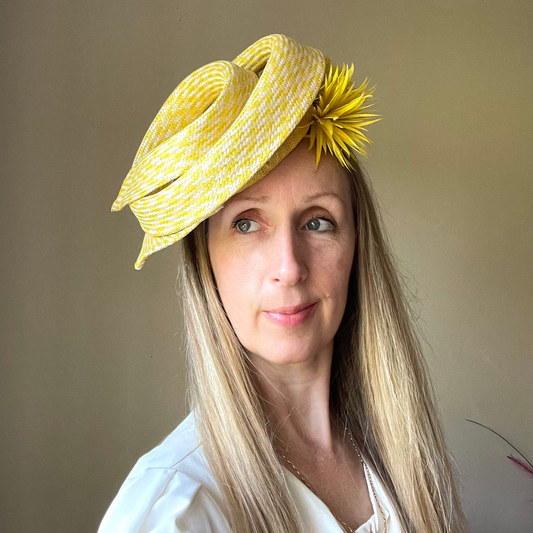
x: 379, y: 388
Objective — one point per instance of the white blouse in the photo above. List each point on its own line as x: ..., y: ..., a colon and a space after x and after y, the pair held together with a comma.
x: 171, y: 490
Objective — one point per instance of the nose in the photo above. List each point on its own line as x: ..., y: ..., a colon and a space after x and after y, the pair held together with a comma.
x: 288, y: 258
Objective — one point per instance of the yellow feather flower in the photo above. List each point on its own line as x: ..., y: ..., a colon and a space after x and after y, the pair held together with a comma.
x: 340, y: 115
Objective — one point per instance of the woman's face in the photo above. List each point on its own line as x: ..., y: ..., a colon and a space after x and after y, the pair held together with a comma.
x: 281, y: 252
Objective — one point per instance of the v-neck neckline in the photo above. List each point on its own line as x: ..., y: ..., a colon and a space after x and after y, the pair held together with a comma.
x: 364, y: 527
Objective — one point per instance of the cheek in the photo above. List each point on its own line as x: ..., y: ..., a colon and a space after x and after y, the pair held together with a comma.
x: 333, y: 264
x: 235, y: 282
x: 331, y: 278
x: 344, y: 265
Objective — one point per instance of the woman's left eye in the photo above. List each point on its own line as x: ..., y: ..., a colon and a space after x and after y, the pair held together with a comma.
x: 319, y: 224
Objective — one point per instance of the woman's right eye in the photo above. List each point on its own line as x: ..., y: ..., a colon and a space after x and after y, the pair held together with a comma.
x: 244, y: 224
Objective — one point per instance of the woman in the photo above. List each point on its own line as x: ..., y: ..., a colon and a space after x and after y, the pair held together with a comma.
x: 310, y: 403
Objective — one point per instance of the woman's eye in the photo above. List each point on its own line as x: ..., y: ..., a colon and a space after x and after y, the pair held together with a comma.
x: 245, y: 225
x: 319, y: 224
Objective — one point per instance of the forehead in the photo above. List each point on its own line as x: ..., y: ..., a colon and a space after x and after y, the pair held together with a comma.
x: 297, y: 177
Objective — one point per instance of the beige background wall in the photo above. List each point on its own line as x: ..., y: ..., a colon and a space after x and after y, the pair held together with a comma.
x: 91, y: 355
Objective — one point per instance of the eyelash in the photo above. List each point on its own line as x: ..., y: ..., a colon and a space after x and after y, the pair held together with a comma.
x: 234, y: 225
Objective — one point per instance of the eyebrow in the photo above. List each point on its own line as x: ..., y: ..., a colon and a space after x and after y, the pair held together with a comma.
x: 264, y: 199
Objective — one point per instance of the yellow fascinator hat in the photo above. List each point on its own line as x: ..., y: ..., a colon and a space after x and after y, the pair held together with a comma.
x: 228, y: 124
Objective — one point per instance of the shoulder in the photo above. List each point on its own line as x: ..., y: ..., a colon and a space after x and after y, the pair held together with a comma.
x: 171, y: 488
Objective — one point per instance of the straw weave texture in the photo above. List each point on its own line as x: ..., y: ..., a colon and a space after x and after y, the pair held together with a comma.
x: 222, y: 129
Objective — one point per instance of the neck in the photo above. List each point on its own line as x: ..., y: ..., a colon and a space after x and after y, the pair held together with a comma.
x: 295, y: 398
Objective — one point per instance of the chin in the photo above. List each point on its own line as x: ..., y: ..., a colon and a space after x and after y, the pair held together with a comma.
x: 284, y: 352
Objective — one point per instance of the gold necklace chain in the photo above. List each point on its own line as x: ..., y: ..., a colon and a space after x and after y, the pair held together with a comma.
x: 367, y: 474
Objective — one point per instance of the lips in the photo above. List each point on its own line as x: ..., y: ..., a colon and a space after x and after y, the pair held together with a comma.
x: 290, y: 310
x: 293, y: 315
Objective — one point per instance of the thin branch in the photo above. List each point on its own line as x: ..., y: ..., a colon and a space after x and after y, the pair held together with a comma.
x: 503, y: 438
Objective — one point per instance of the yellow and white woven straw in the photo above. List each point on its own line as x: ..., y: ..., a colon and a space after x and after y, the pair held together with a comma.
x: 222, y: 129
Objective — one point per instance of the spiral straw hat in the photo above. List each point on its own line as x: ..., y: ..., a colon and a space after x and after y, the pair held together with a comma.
x: 222, y: 129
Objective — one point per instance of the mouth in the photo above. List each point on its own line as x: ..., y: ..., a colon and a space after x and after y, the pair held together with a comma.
x: 292, y: 316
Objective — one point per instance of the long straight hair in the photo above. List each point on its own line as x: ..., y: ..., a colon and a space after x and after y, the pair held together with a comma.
x: 379, y: 387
